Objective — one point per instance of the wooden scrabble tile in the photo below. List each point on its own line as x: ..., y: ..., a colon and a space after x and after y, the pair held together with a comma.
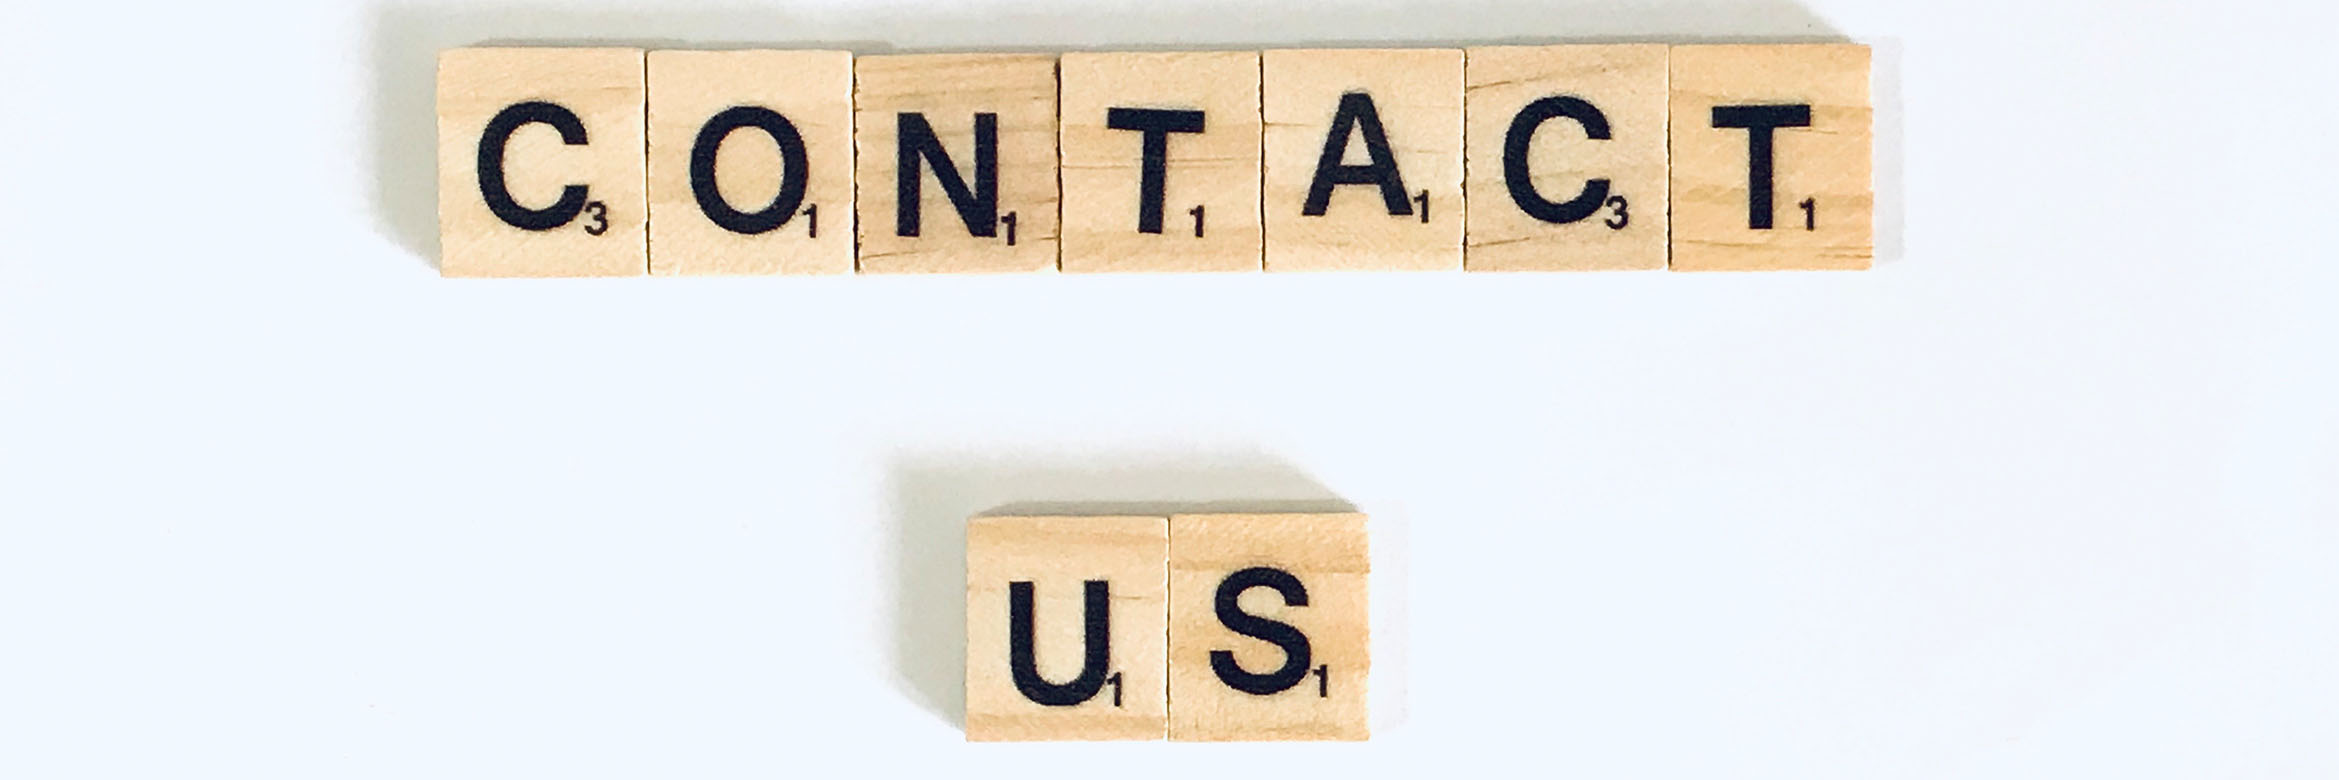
x: 1566, y: 158
x: 751, y: 162
x: 1269, y: 634
x: 956, y: 162
x: 1771, y: 158
x: 540, y: 162
x: 1066, y: 627
x: 1161, y: 161
x: 1363, y: 159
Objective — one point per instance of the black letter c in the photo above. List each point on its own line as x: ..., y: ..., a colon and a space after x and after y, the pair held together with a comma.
x: 491, y: 165
x: 1514, y: 159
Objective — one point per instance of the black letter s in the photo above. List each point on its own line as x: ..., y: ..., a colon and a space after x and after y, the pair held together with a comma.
x: 1296, y: 655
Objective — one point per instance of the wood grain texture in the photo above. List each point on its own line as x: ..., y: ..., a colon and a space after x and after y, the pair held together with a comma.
x: 1216, y: 169
x: 949, y: 90
x: 1329, y: 556
x: 813, y: 92
x: 604, y: 90
x: 1626, y: 83
x: 1058, y: 555
x: 1828, y: 163
x: 1417, y: 94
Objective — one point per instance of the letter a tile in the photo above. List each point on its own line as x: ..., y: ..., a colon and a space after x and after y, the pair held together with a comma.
x: 1066, y: 622
x: 1364, y: 159
x: 540, y: 163
x: 956, y: 162
x: 1269, y: 636
x: 1771, y: 158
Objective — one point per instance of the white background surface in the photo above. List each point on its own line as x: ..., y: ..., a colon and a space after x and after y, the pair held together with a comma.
x: 2050, y: 493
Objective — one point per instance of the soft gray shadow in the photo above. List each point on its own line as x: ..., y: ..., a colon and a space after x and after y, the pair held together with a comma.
x: 935, y: 494
x: 406, y: 39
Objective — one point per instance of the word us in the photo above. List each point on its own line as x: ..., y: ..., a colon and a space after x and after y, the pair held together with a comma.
x: 620, y: 162
x: 1193, y: 627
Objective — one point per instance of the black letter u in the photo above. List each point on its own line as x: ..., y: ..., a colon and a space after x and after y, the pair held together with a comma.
x: 1096, y: 615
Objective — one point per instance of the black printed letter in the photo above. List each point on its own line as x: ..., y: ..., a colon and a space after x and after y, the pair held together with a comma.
x: 1760, y: 122
x: 1357, y: 113
x: 1514, y: 159
x: 1021, y: 660
x: 914, y: 140
x: 792, y: 171
x: 1156, y: 124
x: 491, y: 166
x: 1281, y: 634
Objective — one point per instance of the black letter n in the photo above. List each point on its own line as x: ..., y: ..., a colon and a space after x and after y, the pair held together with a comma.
x: 914, y: 144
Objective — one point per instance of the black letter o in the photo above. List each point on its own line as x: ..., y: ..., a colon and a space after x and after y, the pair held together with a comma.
x: 792, y: 172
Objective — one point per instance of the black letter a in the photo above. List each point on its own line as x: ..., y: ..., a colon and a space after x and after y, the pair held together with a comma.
x: 1096, y: 614
x: 1357, y: 114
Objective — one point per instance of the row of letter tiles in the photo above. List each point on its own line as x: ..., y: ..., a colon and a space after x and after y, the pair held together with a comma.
x: 617, y: 162
x: 1190, y: 627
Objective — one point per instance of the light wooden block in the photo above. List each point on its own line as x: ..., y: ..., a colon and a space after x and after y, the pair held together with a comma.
x: 1060, y: 694
x: 951, y: 94
x: 1416, y: 95
x: 567, y: 149
x: 1229, y: 575
x: 751, y: 162
x: 1821, y: 201
x: 1203, y: 213
x: 1585, y: 125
